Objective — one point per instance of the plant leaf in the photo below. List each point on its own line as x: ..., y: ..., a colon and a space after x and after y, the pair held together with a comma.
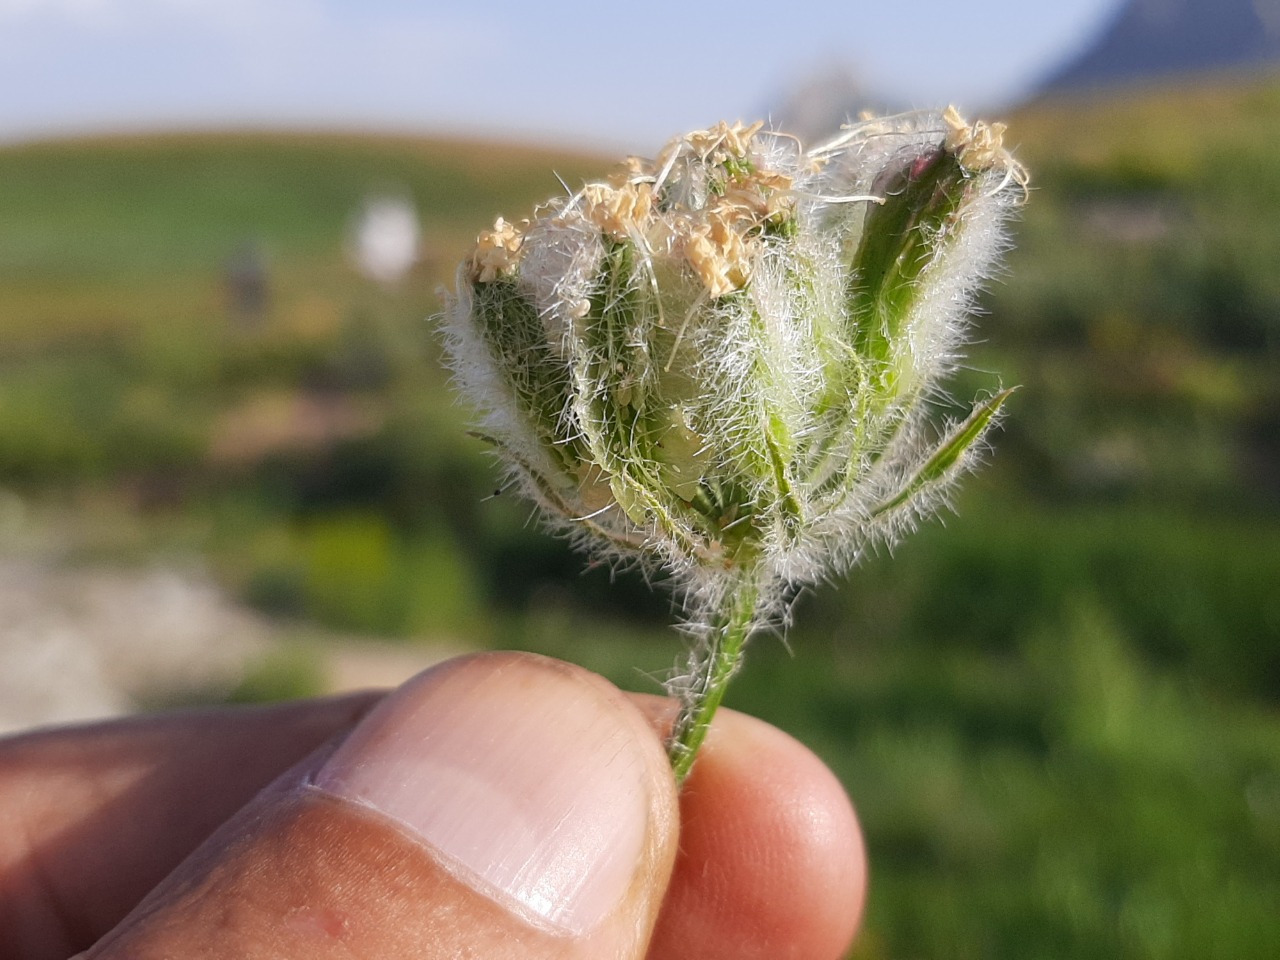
x: 948, y: 454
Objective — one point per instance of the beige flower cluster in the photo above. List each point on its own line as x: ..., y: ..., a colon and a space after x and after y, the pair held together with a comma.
x: 497, y: 251
x: 715, y: 230
x: 978, y: 147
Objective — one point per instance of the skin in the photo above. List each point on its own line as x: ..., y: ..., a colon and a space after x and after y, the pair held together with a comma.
x: 767, y: 860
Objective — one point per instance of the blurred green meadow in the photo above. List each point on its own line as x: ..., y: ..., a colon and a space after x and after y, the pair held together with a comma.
x: 1058, y: 709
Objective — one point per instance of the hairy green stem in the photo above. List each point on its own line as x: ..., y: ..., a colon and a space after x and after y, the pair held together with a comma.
x: 713, y: 666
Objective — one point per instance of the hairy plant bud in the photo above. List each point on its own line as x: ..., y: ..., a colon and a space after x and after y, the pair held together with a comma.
x: 721, y: 361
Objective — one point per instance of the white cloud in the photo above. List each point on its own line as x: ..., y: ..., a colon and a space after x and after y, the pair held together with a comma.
x: 71, y: 11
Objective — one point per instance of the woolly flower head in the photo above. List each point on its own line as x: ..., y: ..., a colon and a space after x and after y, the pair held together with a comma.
x: 721, y: 361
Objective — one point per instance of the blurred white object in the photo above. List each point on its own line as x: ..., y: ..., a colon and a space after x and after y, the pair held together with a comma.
x: 386, y: 238
x: 80, y: 644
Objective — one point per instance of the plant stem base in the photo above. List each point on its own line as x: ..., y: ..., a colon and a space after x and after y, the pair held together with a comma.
x: 712, y: 666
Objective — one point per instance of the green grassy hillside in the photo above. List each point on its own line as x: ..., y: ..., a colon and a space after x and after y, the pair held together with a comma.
x: 1058, y: 711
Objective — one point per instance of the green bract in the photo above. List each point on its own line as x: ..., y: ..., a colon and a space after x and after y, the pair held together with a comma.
x: 720, y: 362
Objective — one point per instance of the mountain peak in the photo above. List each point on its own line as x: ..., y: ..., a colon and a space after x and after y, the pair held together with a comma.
x: 1153, y: 38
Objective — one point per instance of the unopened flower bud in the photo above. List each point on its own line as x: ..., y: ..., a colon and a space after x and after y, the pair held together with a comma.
x: 721, y: 362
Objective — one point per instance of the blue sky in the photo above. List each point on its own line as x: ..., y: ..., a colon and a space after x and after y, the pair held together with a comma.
x: 622, y: 74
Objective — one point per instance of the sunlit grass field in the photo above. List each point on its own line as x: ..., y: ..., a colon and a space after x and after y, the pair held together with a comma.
x: 1058, y: 709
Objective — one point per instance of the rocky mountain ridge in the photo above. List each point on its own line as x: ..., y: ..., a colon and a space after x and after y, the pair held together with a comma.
x: 1150, y: 39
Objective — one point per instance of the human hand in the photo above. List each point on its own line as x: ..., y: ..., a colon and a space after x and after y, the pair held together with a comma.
x: 497, y: 806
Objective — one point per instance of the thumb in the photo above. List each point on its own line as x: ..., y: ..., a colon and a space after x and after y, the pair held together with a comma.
x: 500, y: 805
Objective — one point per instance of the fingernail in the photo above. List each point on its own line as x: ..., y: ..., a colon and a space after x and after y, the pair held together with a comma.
x: 526, y: 778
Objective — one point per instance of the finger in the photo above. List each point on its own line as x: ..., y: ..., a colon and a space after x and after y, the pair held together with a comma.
x: 501, y: 805
x: 95, y: 816
x: 771, y: 859
x: 99, y: 848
